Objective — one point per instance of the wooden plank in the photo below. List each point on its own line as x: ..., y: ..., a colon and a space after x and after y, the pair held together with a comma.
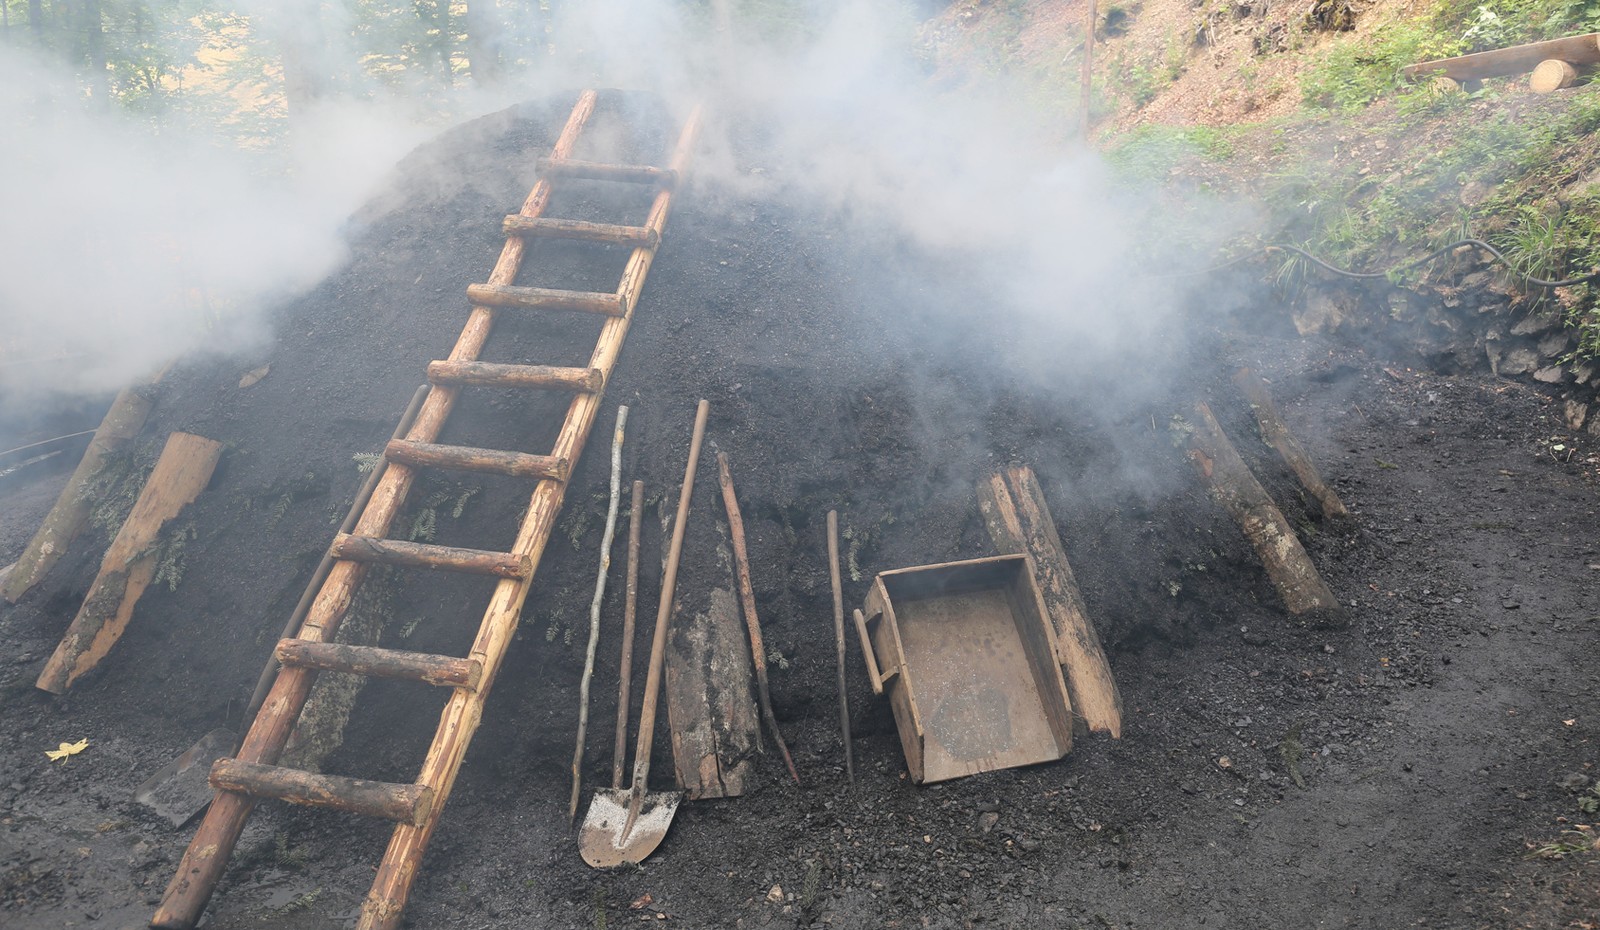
x: 545, y: 298
x: 182, y: 472
x: 1234, y: 487
x: 518, y: 225
x: 1275, y: 433
x: 467, y: 458
x: 425, y: 555
x: 519, y: 376
x: 207, y: 855
x: 374, y: 662
x: 1018, y: 518
x: 71, y: 511
x: 1517, y: 59
x: 387, y: 801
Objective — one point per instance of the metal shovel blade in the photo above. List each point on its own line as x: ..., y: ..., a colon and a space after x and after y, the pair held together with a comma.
x: 605, y: 839
x: 182, y: 788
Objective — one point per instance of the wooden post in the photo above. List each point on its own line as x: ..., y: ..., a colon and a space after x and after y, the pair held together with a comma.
x: 182, y: 472
x: 1018, y: 519
x: 1087, y: 78
x: 838, y: 642
x: 747, y: 599
x: 1276, y: 434
x: 66, y: 519
x: 1235, y: 488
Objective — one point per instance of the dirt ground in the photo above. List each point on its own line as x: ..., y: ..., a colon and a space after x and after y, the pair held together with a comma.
x: 1397, y: 771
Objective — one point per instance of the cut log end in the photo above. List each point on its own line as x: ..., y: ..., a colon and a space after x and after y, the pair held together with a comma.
x: 1552, y: 75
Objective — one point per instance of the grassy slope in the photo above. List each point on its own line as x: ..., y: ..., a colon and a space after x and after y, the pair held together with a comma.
x: 1238, y: 98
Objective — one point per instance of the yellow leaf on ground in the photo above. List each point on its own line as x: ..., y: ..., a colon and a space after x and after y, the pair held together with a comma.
x: 67, y: 749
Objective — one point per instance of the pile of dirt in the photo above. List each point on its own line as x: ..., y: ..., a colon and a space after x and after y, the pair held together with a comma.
x: 1388, y: 771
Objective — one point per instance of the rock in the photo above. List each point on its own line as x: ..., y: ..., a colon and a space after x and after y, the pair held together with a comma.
x: 988, y: 807
x: 1552, y: 374
x: 1518, y: 362
x: 987, y: 820
x: 1534, y: 324
x: 1575, y: 414
x: 1554, y: 345
x: 1594, y: 426
x: 775, y: 895
x: 1573, y: 781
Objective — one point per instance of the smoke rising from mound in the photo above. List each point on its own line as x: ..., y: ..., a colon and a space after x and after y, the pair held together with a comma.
x: 127, y: 249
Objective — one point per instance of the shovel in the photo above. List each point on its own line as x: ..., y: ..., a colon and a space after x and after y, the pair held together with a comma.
x: 623, y: 827
x: 182, y: 787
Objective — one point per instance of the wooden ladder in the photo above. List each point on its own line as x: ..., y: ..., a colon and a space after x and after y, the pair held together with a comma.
x: 241, y: 781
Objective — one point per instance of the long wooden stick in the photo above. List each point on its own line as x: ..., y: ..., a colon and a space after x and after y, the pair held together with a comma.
x: 619, y: 752
x: 594, y: 610
x: 838, y: 638
x: 747, y: 597
x: 1276, y: 434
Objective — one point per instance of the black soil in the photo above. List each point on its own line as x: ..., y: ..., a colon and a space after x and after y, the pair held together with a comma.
x: 1397, y: 771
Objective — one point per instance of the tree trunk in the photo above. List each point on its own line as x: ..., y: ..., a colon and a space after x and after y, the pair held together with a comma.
x: 92, y: 24
x: 483, y: 43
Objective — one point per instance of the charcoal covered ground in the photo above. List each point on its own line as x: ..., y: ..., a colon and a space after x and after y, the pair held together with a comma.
x: 1393, y: 772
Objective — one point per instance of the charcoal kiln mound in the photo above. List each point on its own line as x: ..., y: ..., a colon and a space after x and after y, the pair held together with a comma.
x: 1390, y: 770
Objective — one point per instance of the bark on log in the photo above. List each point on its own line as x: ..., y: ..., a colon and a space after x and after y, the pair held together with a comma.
x: 492, y: 374
x: 402, y: 803
x: 518, y: 225
x: 1275, y: 433
x: 66, y: 519
x: 600, y: 171
x: 1518, y: 59
x: 1019, y: 520
x: 182, y: 472
x: 1236, y: 489
x: 1553, y: 75
x: 546, y: 298
x: 424, y: 555
x: 374, y: 662
x: 466, y: 458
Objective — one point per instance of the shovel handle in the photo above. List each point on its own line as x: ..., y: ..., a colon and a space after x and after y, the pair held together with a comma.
x: 669, y: 583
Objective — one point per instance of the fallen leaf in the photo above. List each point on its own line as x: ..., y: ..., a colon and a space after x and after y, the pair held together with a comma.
x: 1571, y: 722
x: 640, y: 902
x: 67, y: 749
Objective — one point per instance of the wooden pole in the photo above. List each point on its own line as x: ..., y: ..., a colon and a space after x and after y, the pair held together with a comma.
x: 71, y: 511
x: 1236, y: 489
x: 1275, y: 432
x: 182, y: 472
x: 404, y: 803
x: 619, y: 752
x: 1087, y: 79
x: 838, y: 642
x: 594, y: 611
x: 1019, y: 520
x: 747, y: 598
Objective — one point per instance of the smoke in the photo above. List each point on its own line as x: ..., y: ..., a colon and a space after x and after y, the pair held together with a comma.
x: 127, y: 248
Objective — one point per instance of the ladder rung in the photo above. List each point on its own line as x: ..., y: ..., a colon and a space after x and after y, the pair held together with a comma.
x: 600, y: 171
x: 587, y: 380
x: 518, y: 225
x: 427, y: 555
x: 546, y: 298
x: 375, y: 662
x: 466, y: 458
x: 401, y: 803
